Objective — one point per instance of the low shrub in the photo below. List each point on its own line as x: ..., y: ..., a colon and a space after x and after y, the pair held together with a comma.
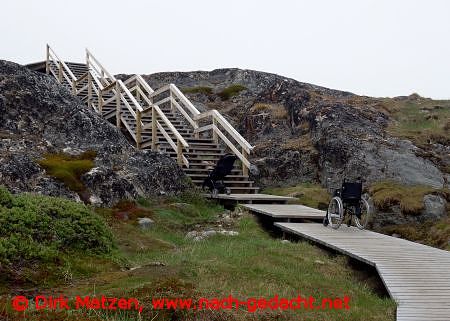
x: 231, y: 91
x: 35, y: 228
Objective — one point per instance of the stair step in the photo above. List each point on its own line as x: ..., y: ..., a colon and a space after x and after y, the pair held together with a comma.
x: 195, y: 181
x: 188, y: 154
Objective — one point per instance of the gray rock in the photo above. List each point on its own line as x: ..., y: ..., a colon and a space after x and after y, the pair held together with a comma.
x: 434, y: 207
x: 208, y: 233
x: 191, y: 234
x: 145, y: 222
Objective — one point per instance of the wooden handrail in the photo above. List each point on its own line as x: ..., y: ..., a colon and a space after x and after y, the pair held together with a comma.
x: 228, y: 128
x: 90, y: 56
x: 218, y: 119
x: 52, y: 52
x: 171, y: 127
x: 194, y: 111
x: 125, y: 89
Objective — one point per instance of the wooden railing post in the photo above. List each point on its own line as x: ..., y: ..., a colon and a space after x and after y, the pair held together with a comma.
x: 74, y: 87
x: 138, y: 94
x: 172, y: 107
x: 196, y: 134
x: 138, y: 129
x: 60, y: 72
x: 118, y: 106
x: 244, y: 167
x: 89, y: 98
x: 154, y: 129
x: 214, y: 134
x: 100, y: 100
x: 179, y: 153
x: 47, y: 60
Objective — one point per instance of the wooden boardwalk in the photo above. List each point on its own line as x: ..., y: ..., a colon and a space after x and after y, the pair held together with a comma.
x: 291, y: 211
x: 251, y: 198
x: 417, y: 276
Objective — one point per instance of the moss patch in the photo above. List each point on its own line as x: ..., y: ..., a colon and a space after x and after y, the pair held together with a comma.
x: 231, y: 91
x: 410, y: 198
x: 68, y: 168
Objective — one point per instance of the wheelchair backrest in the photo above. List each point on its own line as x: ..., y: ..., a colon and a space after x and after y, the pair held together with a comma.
x: 351, y: 191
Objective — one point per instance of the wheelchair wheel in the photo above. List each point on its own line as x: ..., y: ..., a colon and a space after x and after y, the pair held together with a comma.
x: 335, y: 212
x: 364, y: 218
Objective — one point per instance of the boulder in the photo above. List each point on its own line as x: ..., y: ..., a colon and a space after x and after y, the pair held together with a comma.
x: 435, y: 207
x: 145, y: 222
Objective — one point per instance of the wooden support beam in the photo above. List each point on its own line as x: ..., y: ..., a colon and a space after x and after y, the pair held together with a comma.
x: 60, y: 72
x: 154, y: 129
x: 47, y: 60
x: 214, y: 133
x: 171, y: 98
x: 100, y: 101
x: 244, y: 166
x: 138, y: 129
x: 89, y: 90
x: 179, y: 153
x: 118, y: 106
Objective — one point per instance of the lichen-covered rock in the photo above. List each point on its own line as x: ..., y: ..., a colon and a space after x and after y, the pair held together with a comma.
x: 435, y: 207
x: 39, y: 116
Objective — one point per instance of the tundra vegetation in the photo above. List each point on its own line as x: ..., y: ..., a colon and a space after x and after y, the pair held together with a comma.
x: 76, y: 250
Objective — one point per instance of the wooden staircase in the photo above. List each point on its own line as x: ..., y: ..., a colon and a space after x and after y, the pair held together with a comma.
x: 163, y: 120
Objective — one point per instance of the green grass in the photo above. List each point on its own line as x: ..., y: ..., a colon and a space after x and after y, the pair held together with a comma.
x: 68, y: 168
x: 198, y: 90
x: 420, y: 120
x: 252, y: 264
x: 231, y: 91
x: 410, y: 198
x: 312, y: 195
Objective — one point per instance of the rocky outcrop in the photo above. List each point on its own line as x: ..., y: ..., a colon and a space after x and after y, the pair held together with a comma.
x: 309, y: 133
x: 434, y: 209
x: 38, y: 116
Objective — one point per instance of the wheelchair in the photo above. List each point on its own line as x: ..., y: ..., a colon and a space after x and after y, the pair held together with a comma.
x: 347, y: 204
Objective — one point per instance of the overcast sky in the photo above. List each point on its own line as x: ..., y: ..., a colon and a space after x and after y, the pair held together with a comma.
x: 377, y: 48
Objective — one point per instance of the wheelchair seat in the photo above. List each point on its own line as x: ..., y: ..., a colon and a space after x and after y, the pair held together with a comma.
x: 351, y: 192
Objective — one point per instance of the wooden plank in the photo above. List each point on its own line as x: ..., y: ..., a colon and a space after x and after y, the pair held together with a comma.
x: 415, y: 275
x: 241, y: 197
x: 285, y: 211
